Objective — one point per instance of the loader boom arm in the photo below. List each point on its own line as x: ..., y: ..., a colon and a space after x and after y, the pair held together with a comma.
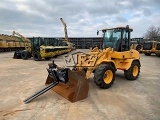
x: 65, y: 29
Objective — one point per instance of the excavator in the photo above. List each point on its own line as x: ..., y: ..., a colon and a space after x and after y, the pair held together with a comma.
x: 73, y: 84
x: 12, y: 42
x: 21, y: 36
x: 26, y: 42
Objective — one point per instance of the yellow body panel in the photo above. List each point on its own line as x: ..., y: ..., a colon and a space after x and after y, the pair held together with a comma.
x: 59, y: 51
x: 17, y: 44
x: 11, y: 44
x: 3, y: 44
x: 123, y: 64
x: 153, y: 49
x: 22, y: 44
x: 49, y: 54
x: 120, y: 60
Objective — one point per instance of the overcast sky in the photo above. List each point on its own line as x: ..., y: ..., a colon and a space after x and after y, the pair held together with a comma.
x: 83, y: 17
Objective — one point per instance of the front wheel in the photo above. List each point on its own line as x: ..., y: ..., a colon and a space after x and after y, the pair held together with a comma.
x: 24, y: 55
x: 138, y: 48
x: 158, y: 54
x: 133, y: 72
x: 147, y: 54
x: 104, y: 76
x: 47, y: 58
x: 37, y: 56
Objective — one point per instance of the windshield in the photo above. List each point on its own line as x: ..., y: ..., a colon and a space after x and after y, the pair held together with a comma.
x: 111, y: 37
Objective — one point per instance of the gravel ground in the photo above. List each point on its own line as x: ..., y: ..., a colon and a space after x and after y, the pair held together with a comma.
x: 125, y: 100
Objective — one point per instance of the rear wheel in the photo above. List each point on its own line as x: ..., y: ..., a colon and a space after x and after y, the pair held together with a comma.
x: 133, y: 72
x: 104, y: 76
x: 47, y: 58
x: 138, y: 48
x: 24, y: 55
x: 147, y: 54
x: 37, y: 56
x: 158, y: 54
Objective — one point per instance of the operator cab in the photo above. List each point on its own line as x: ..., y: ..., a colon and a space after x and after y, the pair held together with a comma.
x: 137, y: 41
x: 117, y: 38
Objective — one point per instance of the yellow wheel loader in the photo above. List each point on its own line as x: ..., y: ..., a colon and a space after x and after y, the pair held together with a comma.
x: 115, y: 55
x: 157, y: 52
x: 150, y: 47
x: 137, y: 44
x: 40, y: 49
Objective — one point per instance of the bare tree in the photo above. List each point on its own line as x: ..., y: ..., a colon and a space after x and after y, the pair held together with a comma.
x: 152, y: 32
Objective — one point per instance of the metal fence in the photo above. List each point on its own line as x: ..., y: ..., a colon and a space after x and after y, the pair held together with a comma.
x: 86, y: 43
x: 80, y: 42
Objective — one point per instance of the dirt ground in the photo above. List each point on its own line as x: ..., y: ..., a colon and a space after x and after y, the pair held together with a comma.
x: 125, y: 100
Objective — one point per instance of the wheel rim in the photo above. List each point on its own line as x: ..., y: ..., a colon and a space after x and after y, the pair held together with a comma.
x: 138, y: 49
x: 108, y: 76
x: 135, y: 71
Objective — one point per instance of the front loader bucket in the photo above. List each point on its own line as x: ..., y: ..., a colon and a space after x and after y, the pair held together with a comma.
x: 75, y: 89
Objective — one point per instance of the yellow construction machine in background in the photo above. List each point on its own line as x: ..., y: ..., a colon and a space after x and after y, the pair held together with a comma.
x: 137, y: 44
x: 41, y: 48
x: 115, y: 55
x: 12, y: 42
x: 151, y: 47
x: 26, y: 42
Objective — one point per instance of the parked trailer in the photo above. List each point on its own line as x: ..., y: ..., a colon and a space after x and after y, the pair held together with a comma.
x: 151, y: 46
x: 12, y: 43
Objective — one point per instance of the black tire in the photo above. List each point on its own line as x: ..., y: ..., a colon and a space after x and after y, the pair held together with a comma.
x: 37, y: 56
x: 138, y: 48
x: 17, y: 54
x: 24, y: 55
x: 100, y: 73
x: 158, y: 54
x: 47, y: 58
x: 147, y: 54
x: 133, y: 72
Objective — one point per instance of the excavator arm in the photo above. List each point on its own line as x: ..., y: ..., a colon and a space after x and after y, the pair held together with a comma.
x: 18, y: 34
x: 65, y: 29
